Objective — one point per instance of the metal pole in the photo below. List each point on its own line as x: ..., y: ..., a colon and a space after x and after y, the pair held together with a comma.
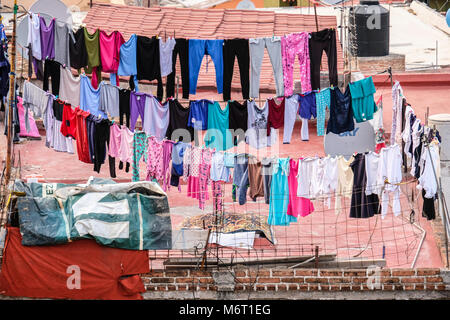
x: 315, y: 15
x: 11, y: 99
x: 436, y: 55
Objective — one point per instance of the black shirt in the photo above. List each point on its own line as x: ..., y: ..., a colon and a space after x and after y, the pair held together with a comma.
x: 58, y: 107
x: 147, y: 58
x: 238, y: 116
x: 341, y: 112
x: 77, y: 50
x: 178, y: 119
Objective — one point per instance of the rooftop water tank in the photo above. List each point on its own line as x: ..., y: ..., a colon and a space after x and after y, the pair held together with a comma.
x: 372, y: 29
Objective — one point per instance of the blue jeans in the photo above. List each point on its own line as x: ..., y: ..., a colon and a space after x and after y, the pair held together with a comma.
x: 197, y: 49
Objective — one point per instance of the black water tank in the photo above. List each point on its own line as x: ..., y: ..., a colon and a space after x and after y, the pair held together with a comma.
x: 372, y: 29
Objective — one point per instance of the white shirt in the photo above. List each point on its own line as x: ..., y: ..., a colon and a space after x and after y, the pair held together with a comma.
x: 390, y: 169
x: 165, y: 55
x: 371, y: 163
x: 306, y: 167
x: 34, y: 35
x: 427, y: 179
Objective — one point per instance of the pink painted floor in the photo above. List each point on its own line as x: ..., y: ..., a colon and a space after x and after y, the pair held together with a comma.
x: 333, y: 233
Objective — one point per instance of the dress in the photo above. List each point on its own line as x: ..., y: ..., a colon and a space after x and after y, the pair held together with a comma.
x: 279, y: 195
x: 297, y: 205
x: 363, y: 206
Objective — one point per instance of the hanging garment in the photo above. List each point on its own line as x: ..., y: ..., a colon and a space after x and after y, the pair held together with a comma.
x: 62, y: 51
x: 218, y: 136
x: 322, y: 103
x: 177, y: 163
x: 218, y: 195
x: 305, y: 177
x: 407, y: 134
x: 54, y: 137
x: 47, y: 39
x: 147, y: 61
x: 33, y: 131
x: 110, y: 53
x: 279, y: 195
x: 137, y: 107
x: 5, y: 68
x: 297, y: 205
x: 266, y: 171
x: 390, y: 169
x: 192, y: 164
x: 307, y: 108
x: 69, y: 125
x: 156, y: 120
x: 292, y: 46
x: 52, y: 70
x: 126, y: 146
x: 197, y: 49
x: 140, y: 147
x: 124, y: 106
x: 324, y: 40
x: 330, y: 179
x: 113, y: 147
x: 430, y: 173
x: 155, y: 159
x: 92, y: 43
x: 182, y: 50
x: 372, y: 160
x: 81, y: 135
x: 90, y: 128
x: 240, y: 170
x: 77, y: 50
x: 219, y: 172
x: 232, y: 49
x: 109, y: 99
x: 275, y: 118
x: 397, y: 101
x: 127, y: 62
x: 34, y: 98
x: 204, y: 177
x: 34, y: 35
x: 363, y: 104
x: 238, y: 120
x: 90, y: 98
x: 290, y: 115
x: 187, y: 163
x: 69, y: 87
x: 256, y: 134
x: 362, y: 205
x: 165, y: 55
x: 58, y: 109
x: 416, y: 147
x: 428, y: 210
x: 377, y: 124
x: 198, y: 114
x: 178, y: 122
x: 252, y: 179
x: 341, y: 112
x: 344, y: 182
x: 167, y: 156
x: 256, y: 49
x: 101, y: 140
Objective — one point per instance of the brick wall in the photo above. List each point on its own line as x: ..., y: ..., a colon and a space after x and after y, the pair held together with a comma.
x: 298, y: 283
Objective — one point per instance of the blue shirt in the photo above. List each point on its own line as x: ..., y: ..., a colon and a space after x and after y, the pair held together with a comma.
x: 90, y: 97
x: 127, y: 63
x: 198, y: 114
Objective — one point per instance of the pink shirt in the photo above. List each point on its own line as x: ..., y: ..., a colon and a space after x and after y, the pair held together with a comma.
x: 110, y: 50
x: 126, y: 145
x: 297, y: 205
x: 114, y: 140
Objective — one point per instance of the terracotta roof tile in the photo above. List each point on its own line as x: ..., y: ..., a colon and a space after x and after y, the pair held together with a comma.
x: 209, y: 24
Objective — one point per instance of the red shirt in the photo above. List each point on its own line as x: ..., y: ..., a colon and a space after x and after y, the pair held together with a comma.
x: 276, y: 115
x: 81, y: 135
x: 69, y: 125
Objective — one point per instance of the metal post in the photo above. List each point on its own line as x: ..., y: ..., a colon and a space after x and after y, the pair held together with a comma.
x: 315, y: 15
x: 316, y: 255
x: 11, y: 98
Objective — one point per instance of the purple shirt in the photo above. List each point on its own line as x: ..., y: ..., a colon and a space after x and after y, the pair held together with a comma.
x: 47, y: 39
